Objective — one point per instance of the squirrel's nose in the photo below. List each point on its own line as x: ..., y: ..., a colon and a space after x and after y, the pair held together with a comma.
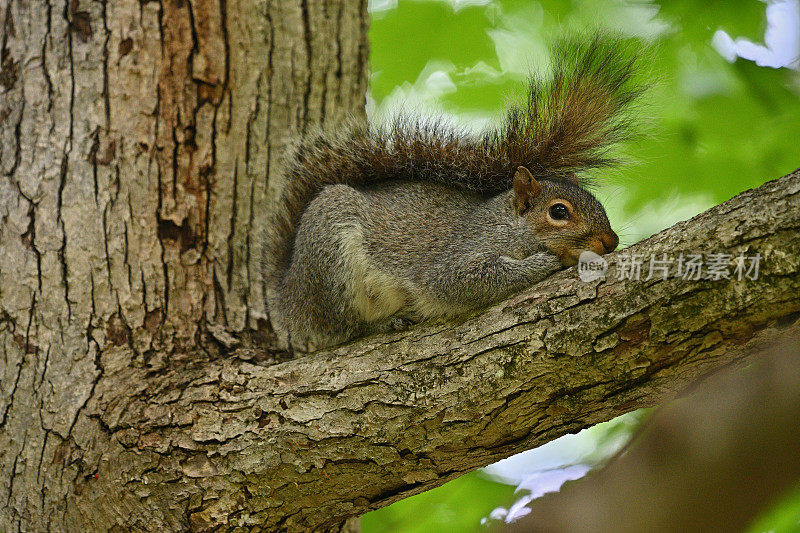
x: 610, y: 241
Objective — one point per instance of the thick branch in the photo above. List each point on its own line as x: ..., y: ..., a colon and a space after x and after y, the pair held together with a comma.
x: 712, y: 461
x: 308, y: 442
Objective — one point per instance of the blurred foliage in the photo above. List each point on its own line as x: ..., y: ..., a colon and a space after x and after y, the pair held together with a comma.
x: 714, y: 128
x: 456, y: 506
x: 783, y: 517
x: 717, y: 128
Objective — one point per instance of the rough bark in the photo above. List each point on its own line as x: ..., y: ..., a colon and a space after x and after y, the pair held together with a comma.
x: 136, y: 145
x: 137, y: 139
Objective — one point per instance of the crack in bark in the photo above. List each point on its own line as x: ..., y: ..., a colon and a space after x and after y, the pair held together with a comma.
x: 232, y: 232
x: 62, y: 250
x: 304, y: 11
x: 270, y: 70
x: 30, y: 237
x: 248, y: 248
x: 27, y: 349
x: 11, y: 483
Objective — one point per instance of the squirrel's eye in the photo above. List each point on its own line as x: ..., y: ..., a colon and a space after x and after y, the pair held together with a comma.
x: 559, y: 212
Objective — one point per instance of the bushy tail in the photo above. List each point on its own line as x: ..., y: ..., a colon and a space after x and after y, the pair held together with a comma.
x: 572, y: 118
x: 566, y: 125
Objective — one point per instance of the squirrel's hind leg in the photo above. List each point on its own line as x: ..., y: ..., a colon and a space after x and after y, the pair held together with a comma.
x: 333, y: 291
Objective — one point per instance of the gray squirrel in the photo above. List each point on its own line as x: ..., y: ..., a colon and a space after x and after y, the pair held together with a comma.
x: 378, y: 227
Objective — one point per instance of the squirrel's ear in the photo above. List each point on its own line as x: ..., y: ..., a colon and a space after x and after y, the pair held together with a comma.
x: 525, y: 189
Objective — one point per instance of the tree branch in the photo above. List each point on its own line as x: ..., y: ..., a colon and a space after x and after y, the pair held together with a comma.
x: 712, y: 461
x: 309, y: 442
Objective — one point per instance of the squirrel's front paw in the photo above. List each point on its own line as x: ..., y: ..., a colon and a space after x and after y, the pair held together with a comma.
x: 541, y: 265
x: 544, y: 262
x: 553, y: 262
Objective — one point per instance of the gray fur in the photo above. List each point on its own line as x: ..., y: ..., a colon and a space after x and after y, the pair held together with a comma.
x: 381, y: 226
x: 370, y: 259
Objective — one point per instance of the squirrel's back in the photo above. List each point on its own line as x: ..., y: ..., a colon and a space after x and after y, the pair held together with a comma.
x: 565, y: 126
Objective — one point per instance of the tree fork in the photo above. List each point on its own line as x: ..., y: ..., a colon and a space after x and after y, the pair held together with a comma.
x: 308, y: 442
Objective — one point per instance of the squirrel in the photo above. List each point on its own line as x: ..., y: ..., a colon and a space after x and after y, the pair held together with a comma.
x: 381, y: 226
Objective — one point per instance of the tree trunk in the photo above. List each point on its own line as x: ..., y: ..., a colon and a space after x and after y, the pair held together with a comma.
x: 137, y: 141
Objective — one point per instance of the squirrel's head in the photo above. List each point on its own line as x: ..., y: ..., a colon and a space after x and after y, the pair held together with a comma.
x: 565, y: 217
